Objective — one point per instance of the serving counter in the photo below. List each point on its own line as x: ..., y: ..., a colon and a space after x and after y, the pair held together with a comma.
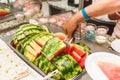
x: 55, y: 28
x: 94, y: 48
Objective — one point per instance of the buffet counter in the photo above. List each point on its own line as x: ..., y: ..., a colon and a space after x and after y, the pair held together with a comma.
x: 94, y: 48
x: 92, y: 44
x: 57, y: 27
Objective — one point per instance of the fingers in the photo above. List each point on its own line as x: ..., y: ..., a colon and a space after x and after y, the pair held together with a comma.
x: 67, y: 30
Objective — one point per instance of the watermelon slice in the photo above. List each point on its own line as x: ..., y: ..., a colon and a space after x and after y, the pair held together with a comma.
x: 60, y: 35
x: 111, y: 70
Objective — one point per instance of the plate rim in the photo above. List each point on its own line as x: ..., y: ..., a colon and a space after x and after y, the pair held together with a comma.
x: 113, y: 43
x: 93, y: 74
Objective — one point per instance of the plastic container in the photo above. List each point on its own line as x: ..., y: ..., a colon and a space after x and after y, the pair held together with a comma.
x: 102, y: 30
x: 90, y: 31
x: 101, y: 39
x: 90, y: 26
x: 90, y: 35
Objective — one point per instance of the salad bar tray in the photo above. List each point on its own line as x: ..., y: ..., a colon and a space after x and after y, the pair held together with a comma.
x: 53, y: 28
x: 42, y: 47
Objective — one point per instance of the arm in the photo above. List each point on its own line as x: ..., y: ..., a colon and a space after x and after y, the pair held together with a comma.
x: 96, y: 9
x: 113, y: 16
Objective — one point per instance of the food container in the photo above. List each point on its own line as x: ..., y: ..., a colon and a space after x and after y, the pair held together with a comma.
x: 90, y: 26
x: 90, y: 34
x: 34, y: 66
x: 102, y: 30
x: 101, y: 39
x: 90, y: 31
x: 83, y: 26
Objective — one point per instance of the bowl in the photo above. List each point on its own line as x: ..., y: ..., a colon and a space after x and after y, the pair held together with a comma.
x: 102, y: 30
x: 90, y: 26
x: 100, y: 39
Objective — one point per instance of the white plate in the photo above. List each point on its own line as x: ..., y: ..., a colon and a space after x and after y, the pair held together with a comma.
x: 116, y: 45
x: 92, y: 67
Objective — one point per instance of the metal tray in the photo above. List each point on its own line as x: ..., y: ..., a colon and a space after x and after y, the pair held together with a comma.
x: 52, y: 28
x: 8, y: 40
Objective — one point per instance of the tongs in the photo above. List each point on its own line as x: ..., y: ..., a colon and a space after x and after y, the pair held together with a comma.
x: 76, y: 37
x: 47, y: 77
x: 67, y: 42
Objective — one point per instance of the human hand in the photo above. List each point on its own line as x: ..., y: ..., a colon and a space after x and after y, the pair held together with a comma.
x: 70, y: 27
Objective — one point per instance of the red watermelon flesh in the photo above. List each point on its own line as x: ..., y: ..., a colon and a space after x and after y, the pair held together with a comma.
x: 111, y: 70
x: 60, y: 35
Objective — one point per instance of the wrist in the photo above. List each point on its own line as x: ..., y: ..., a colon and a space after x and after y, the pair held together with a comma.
x: 76, y: 18
x: 85, y: 15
